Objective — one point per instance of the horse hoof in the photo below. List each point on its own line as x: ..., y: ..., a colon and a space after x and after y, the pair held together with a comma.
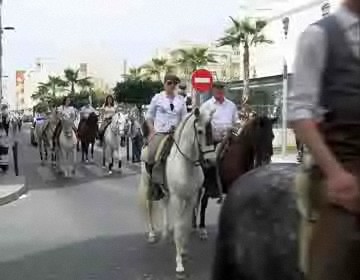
x: 180, y: 271
x: 151, y: 238
x: 87, y: 161
x: 203, y: 234
x: 110, y: 172
x: 42, y: 163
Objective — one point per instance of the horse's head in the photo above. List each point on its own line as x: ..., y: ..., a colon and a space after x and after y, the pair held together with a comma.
x: 118, y: 124
x: 261, y: 133
x: 67, y: 120
x: 92, y: 119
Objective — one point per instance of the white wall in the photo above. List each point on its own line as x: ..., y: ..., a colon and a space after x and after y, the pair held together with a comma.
x: 268, y: 59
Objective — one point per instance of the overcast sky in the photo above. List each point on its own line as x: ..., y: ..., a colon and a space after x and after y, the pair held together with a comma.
x: 104, y: 32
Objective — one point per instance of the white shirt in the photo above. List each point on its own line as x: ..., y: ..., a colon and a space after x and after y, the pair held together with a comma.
x: 67, y: 109
x: 160, y: 111
x: 86, y: 111
x: 224, y: 118
x: 108, y: 111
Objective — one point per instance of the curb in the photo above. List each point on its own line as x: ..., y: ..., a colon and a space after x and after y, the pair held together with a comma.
x: 14, y: 187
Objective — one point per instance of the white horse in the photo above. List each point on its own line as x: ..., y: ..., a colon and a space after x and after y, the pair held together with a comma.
x: 66, y: 150
x: 184, y: 177
x: 112, y: 138
x: 44, y: 130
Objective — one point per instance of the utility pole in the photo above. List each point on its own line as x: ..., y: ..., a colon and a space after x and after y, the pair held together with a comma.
x: 1, y: 49
x: 285, y: 22
x: 1, y: 52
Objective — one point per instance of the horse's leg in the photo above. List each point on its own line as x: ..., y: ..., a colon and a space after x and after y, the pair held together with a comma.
x: 203, y: 206
x: 82, y: 151
x: 73, y: 157
x: 40, y: 151
x: 87, y: 151
x: 92, y: 150
x: 165, y: 208
x: 196, y: 211
x: 183, y: 210
x: 150, y: 221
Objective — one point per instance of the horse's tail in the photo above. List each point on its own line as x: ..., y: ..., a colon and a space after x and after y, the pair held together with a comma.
x: 143, y: 201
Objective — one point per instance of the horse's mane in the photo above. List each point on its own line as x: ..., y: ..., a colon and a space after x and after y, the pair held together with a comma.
x: 182, y: 125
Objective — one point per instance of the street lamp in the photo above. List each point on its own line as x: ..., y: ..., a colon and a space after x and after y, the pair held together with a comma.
x: 285, y: 22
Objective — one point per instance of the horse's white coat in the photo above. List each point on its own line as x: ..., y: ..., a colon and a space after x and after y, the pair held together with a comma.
x: 184, y: 179
x: 111, y: 145
x: 44, y: 138
x: 66, y: 152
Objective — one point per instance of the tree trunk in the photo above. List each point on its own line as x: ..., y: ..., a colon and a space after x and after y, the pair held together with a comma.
x: 72, y: 87
x: 246, y: 62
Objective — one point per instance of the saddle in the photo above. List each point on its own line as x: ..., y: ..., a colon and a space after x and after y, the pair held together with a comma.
x: 157, y: 174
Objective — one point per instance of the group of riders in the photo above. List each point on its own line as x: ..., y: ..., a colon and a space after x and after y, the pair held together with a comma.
x: 107, y: 111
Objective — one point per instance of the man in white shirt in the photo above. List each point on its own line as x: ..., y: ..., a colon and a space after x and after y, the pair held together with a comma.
x: 166, y: 110
x: 225, y: 115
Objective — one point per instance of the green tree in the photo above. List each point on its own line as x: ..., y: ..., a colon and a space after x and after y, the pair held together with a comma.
x: 191, y: 59
x: 136, y: 92
x: 135, y: 73
x: 158, y: 67
x: 245, y: 34
x: 72, y: 80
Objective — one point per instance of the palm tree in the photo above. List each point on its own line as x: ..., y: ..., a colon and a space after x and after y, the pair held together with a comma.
x: 247, y: 34
x: 135, y: 73
x: 42, y: 93
x: 54, y: 84
x: 73, y: 80
x: 158, y: 67
x: 191, y: 59
x: 85, y: 84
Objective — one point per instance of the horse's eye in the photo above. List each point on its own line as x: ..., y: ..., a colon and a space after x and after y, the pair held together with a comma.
x: 200, y: 131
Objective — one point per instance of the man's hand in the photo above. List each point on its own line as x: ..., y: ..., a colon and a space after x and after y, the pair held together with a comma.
x: 343, y: 190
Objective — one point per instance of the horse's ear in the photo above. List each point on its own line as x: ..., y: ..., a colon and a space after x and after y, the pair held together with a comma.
x: 274, y: 120
x: 197, y: 112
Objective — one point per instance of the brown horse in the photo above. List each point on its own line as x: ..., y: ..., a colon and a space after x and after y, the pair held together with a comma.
x: 252, y: 147
x: 88, y: 130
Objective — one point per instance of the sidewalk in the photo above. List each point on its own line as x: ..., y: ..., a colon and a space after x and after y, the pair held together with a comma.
x: 11, y: 188
x: 288, y: 158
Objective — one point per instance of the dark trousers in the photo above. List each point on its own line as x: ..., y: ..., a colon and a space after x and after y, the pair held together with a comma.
x: 136, y: 147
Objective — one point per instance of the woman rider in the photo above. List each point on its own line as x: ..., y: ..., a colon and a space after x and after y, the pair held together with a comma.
x: 108, y: 111
x: 65, y: 107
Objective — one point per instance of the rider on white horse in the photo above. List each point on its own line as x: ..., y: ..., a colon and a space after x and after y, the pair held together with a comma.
x: 64, y: 108
x: 108, y: 110
x: 167, y: 109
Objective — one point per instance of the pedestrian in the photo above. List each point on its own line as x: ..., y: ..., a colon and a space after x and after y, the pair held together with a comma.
x: 324, y: 111
x: 136, y: 139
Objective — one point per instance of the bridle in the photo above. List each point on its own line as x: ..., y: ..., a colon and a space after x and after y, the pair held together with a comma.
x: 200, y: 160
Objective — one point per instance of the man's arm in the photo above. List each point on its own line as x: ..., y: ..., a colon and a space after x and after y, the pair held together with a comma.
x: 303, y: 102
x: 151, y: 114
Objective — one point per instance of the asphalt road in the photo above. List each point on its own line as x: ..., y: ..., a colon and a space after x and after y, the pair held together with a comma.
x: 87, y: 227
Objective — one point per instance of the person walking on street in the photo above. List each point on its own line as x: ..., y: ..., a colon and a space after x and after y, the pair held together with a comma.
x: 324, y: 111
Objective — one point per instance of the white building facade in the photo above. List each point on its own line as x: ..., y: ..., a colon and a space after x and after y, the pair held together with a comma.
x: 268, y: 60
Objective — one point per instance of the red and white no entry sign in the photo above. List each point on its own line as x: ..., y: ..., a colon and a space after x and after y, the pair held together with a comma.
x: 202, y: 80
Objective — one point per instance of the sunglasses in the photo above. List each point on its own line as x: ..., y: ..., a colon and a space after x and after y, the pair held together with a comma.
x: 172, y: 107
x: 170, y: 83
